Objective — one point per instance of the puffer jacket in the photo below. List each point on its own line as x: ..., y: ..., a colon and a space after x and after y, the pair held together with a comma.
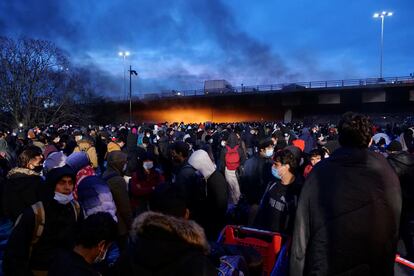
x: 95, y: 196
x: 23, y: 188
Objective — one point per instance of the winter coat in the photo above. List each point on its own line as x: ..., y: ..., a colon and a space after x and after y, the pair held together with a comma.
x: 403, y: 165
x: 211, y: 197
x: 162, y: 245
x: 95, y: 196
x: 23, y: 188
x: 142, y: 185
x: 118, y: 186
x: 87, y: 146
x: 59, y: 231
x: 348, y: 216
x: 255, y: 177
x: 69, y: 263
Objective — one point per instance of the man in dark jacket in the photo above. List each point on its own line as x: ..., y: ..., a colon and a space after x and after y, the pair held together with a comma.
x: 349, y: 210
x: 278, y: 207
x: 403, y: 164
x: 117, y: 161
x: 95, y: 235
x: 37, y: 238
x: 164, y: 245
x: 24, y: 183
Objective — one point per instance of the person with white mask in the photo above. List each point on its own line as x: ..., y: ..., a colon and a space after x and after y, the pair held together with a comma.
x: 44, y: 228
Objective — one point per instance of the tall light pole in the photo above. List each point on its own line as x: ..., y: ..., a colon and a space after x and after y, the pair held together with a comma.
x: 124, y: 55
x: 382, y: 15
x: 131, y: 72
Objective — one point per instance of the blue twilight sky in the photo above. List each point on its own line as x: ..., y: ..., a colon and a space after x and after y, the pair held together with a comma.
x: 179, y: 44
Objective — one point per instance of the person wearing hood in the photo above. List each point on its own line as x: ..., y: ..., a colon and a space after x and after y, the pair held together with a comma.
x: 165, y: 245
x: 231, y: 158
x: 54, y: 160
x: 117, y: 162
x: 87, y: 145
x: 24, y: 184
x: 403, y: 164
x: 308, y: 139
x: 212, y: 209
x: 80, y: 164
x: 95, y: 196
x: 43, y: 229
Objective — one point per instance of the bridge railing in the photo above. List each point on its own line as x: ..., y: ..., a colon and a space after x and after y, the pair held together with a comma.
x: 289, y: 87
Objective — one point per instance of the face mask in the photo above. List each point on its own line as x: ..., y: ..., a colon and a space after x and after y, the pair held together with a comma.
x: 148, y: 135
x: 210, y: 141
x: 148, y: 165
x: 269, y: 152
x: 223, y: 143
x: 252, y: 132
x: 38, y: 169
x: 275, y: 173
x: 62, y: 198
x: 100, y: 257
x: 326, y: 155
x: 158, y: 137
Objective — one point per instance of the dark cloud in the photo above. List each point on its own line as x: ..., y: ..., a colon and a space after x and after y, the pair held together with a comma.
x: 171, y: 28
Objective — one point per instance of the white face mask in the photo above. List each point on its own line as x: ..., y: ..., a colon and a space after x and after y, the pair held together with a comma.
x: 148, y: 165
x: 62, y: 198
x: 148, y: 135
x: 210, y: 141
x: 223, y: 143
x: 100, y: 257
x: 269, y: 152
x: 252, y: 132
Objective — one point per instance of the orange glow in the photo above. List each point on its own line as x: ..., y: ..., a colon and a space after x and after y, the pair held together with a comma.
x: 198, y: 115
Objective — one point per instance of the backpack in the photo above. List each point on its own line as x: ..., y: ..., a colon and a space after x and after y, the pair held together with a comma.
x: 40, y: 220
x: 232, y: 158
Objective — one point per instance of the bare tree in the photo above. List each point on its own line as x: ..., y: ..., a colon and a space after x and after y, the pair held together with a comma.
x: 38, y: 87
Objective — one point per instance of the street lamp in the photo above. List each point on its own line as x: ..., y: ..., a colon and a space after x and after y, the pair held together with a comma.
x: 382, y: 15
x: 131, y: 72
x: 124, y: 55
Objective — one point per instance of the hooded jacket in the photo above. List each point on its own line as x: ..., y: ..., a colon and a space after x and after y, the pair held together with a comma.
x: 114, y: 177
x: 212, y: 211
x: 348, y: 217
x: 165, y: 245
x: 59, y: 231
x: 88, y: 147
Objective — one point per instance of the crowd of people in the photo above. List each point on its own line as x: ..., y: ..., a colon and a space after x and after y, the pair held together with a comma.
x: 341, y: 195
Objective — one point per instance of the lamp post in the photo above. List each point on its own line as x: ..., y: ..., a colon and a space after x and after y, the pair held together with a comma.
x: 382, y: 15
x: 124, y: 55
x: 131, y: 72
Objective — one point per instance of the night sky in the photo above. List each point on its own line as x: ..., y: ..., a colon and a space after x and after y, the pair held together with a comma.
x: 179, y: 44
